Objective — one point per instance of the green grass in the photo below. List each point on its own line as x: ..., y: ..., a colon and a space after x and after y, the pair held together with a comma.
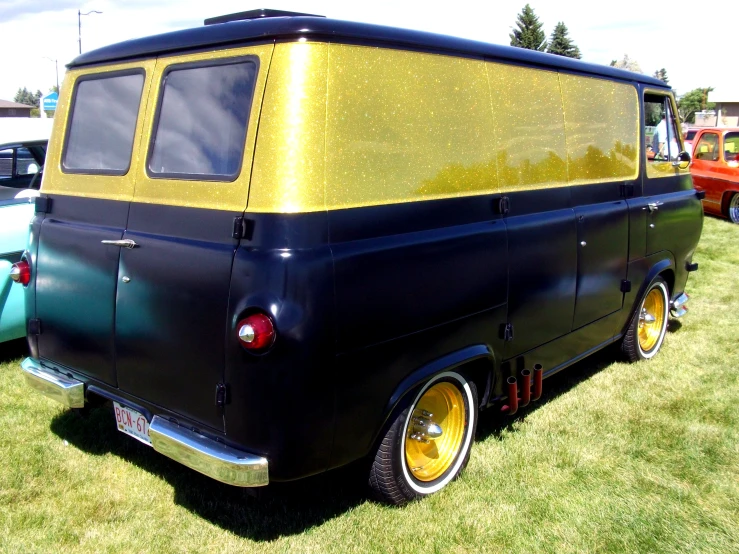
x: 616, y: 458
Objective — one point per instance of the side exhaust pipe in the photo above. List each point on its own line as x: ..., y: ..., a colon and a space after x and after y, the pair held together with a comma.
x: 538, y: 378
x: 512, y: 406
x: 514, y: 402
x: 525, y: 388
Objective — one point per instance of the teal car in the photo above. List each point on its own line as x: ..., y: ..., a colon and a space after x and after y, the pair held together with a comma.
x: 16, y: 211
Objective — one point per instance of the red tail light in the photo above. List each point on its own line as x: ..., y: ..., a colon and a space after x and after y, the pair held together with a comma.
x: 20, y: 272
x: 256, y: 332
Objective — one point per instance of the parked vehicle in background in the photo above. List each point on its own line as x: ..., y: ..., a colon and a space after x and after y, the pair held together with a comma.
x: 21, y: 167
x: 715, y: 170
x: 688, y: 135
x: 302, y: 242
x: 21, y: 164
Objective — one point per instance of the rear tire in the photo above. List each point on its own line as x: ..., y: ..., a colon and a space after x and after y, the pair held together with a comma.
x: 732, y: 210
x: 648, y: 326
x: 411, y: 464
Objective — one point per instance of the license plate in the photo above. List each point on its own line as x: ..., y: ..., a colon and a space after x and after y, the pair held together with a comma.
x: 132, y: 423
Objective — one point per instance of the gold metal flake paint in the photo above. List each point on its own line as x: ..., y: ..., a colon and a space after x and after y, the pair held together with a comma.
x: 289, y: 162
x: 529, y: 127
x: 110, y: 187
x: 602, y: 129
x: 216, y: 195
x: 406, y: 126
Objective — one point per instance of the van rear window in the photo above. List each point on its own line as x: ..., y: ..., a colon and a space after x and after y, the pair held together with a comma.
x: 201, y: 126
x: 103, y: 121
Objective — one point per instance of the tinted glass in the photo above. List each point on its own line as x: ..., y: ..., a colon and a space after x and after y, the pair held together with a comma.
x: 25, y: 162
x: 103, y: 122
x: 6, y: 163
x: 707, y: 148
x: 731, y: 147
x: 202, y: 122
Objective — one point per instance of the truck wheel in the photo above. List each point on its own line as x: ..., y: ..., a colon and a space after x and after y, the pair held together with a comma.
x: 647, y: 329
x: 733, y: 209
x: 429, y: 443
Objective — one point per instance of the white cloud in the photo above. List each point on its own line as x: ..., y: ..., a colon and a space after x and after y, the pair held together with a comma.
x: 31, y: 30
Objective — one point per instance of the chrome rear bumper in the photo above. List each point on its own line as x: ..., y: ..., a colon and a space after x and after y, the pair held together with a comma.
x: 56, y: 386
x: 196, y: 451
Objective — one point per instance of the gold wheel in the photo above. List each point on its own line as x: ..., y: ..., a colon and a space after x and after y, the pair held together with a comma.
x: 435, y: 431
x: 651, y: 319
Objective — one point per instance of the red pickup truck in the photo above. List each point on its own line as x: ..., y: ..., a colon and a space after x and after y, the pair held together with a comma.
x: 715, y: 170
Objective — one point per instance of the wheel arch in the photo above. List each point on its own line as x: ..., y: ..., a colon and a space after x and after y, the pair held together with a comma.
x: 476, y: 363
x: 664, y: 268
x: 726, y: 198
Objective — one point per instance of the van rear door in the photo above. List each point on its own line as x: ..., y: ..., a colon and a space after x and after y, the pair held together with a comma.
x: 192, y: 184
x: 90, y: 183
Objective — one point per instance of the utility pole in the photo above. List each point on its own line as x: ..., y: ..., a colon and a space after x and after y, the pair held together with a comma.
x: 79, y: 25
x: 56, y: 64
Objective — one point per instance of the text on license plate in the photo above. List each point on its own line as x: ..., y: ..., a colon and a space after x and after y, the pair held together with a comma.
x: 132, y: 423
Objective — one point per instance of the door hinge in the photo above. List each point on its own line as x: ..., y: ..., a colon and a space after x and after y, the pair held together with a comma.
x: 243, y: 228
x: 504, y: 205
x: 508, y: 332
x: 43, y: 204
x: 627, y: 190
x: 221, y: 395
x: 625, y: 285
x: 34, y: 326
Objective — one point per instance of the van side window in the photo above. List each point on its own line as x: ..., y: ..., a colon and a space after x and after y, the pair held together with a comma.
x: 663, y: 144
x: 200, y: 130
x: 103, y: 120
x: 707, y: 148
x: 6, y: 163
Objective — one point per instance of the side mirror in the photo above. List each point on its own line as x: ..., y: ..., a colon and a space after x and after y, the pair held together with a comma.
x: 683, y: 160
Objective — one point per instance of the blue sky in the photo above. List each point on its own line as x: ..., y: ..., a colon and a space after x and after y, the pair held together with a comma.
x: 693, y: 48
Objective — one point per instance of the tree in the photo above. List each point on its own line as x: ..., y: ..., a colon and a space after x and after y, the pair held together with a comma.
x: 661, y: 74
x: 694, y: 101
x: 561, y: 44
x: 530, y: 32
x: 24, y: 96
x: 627, y: 64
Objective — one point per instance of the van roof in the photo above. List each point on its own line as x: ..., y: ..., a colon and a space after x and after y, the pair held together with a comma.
x: 233, y: 33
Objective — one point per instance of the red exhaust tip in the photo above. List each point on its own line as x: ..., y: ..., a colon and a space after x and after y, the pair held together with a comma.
x: 20, y: 272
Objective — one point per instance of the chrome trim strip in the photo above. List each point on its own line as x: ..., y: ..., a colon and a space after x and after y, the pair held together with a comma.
x: 56, y: 386
x: 211, y: 458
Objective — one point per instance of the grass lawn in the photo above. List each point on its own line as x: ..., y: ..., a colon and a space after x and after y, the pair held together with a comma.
x: 615, y: 458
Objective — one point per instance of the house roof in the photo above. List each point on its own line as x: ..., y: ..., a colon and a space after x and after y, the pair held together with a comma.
x: 9, y: 104
x: 269, y: 29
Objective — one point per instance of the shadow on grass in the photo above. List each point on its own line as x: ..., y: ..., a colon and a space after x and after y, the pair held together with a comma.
x: 12, y: 350
x: 492, y: 422
x: 282, y: 509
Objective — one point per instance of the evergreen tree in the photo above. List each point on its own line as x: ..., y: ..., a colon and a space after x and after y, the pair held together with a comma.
x: 661, y: 74
x: 24, y: 96
x: 561, y: 44
x: 530, y: 33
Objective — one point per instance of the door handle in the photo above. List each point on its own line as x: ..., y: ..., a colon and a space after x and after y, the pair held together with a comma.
x: 125, y: 243
x: 654, y: 206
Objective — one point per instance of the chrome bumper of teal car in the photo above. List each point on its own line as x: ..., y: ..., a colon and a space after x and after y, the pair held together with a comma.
x: 56, y: 386
x: 198, y: 452
x: 214, y: 459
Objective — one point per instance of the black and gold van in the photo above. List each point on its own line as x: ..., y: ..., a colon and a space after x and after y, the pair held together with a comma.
x: 281, y: 243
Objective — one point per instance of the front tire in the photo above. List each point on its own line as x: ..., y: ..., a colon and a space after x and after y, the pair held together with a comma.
x: 428, y: 443
x: 648, y: 327
x: 732, y: 211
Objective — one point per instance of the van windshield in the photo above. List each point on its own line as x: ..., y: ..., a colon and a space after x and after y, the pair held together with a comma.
x: 103, y: 120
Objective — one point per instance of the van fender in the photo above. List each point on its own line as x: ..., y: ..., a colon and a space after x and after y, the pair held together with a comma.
x: 402, y: 394
x: 666, y: 261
